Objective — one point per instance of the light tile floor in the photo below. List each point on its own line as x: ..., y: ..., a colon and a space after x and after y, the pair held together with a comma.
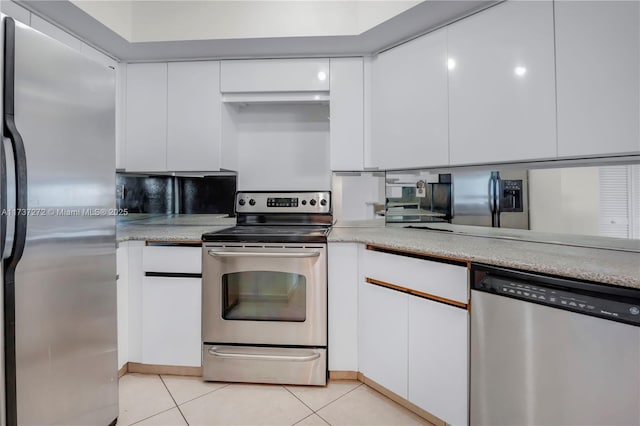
x: 147, y: 399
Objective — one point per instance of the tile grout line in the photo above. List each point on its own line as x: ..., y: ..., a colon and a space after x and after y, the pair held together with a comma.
x: 296, y: 397
x: 204, y: 394
x: 345, y: 394
x: 173, y: 399
x: 335, y: 400
x: 153, y: 415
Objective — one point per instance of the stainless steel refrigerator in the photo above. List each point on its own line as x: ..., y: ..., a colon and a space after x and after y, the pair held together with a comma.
x: 499, y: 199
x: 58, y: 234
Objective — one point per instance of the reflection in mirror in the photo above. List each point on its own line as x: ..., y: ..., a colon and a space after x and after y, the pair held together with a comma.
x: 594, y: 201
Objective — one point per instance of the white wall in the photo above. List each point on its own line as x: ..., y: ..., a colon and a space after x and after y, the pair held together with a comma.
x: 278, y: 146
x: 151, y: 20
x: 565, y: 200
x: 353, y: 195
x: 116, y: 15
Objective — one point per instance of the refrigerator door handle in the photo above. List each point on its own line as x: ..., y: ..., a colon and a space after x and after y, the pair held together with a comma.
x: 19, y: 155
x: 3, y: 200
x: 492, y: 194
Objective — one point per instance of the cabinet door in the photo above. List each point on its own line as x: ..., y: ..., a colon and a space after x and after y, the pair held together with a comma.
x: 274, y: 75
x: 598, y: 72
x: 146, y: 117
x: 343, y: 306
x: 194, y: 107
x: 410, y: 116
x: 502, y: 84
x: 346, y: 133
x: 382, y: 336
x: 439, y: 359
x: 171, y: 321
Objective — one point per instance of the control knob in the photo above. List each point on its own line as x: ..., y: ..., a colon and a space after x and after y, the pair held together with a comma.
x: 312, y: 202
x: 304, y: 202
x: 323, y: 202
x: 252, y: 202
x: 241, y: 201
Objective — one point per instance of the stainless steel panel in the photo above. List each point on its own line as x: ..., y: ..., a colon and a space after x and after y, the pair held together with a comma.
x: 261, y: 206
x: 65, y: 284
x: 264, y: 365
x: 310, y: 262
x: 535, y: 365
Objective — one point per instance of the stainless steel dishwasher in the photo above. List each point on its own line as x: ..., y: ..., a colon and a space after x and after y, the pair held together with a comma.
x: 552, y: 351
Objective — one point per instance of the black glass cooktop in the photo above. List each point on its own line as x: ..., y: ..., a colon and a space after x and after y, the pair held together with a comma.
x: 269, y: 234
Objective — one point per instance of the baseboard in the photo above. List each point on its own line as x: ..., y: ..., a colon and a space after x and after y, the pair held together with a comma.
x: 343, y: 375
x: 124, y: 370
x: 174, y: 370
x: 400, y: 400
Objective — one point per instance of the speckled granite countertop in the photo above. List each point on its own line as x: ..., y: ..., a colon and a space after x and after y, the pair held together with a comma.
x: 606, y: 266
x: 172, y: 227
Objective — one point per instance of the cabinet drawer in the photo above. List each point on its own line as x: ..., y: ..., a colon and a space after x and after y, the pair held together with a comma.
x: 172, y: 259
x: 274, y: 75
x: 431, y: 277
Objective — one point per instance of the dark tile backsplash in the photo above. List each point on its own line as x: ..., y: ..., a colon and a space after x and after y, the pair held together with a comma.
x: 145, y: 194
x: 158, y: 194
x: 206, y: 195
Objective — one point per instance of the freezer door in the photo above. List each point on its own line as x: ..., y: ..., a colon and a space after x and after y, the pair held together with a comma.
x: 65, y: 284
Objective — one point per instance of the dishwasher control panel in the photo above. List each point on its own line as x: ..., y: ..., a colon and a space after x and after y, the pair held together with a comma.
x: 615, y: 308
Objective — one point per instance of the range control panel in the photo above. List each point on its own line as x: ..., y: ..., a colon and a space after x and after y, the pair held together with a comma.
x: 624, y: 311
x: 283, y: 202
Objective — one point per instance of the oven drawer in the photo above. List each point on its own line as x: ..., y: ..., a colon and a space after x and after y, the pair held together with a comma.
x: 294, y: 366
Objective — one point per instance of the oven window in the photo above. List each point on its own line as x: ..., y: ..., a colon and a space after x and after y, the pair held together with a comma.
x: 264, y: 296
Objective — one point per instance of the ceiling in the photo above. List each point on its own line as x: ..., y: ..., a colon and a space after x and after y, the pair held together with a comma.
x: 137, y: 31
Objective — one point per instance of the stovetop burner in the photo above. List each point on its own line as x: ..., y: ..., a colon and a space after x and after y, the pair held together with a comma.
x: 275, y: 217
x: 269, y: 234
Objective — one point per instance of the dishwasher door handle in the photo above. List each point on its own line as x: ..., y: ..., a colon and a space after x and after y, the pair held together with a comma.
x: 295, y: 255
x: 302, y: 358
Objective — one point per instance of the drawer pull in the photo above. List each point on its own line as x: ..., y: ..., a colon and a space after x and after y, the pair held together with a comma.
x: 302, y: 358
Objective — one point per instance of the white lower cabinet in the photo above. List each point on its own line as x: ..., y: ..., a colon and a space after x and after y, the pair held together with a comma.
x: 159, y: 316
x: 439, y: 359
x: 382, y: 336
x: 343, y: 306
x: 410, y: 343
x: 171, y: 305
x: 171, y: 321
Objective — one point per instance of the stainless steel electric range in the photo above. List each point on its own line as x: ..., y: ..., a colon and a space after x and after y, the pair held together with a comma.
x: 264, y: 291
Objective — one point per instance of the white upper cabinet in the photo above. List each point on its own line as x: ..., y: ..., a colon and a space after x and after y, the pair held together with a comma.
x: 347, y: 114
x: 172, y: 117
x: 502, y: 84
x: 274, y: 75
x: 598, y: 73
x: 146, y: 117
x: 409, y: 104
x: 193, y: 127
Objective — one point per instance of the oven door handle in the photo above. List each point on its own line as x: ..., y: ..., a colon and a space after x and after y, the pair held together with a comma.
x: 215, y: 352
x: 262, y: 254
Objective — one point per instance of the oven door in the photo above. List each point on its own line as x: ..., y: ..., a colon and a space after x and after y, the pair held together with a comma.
x: 270, y: 294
